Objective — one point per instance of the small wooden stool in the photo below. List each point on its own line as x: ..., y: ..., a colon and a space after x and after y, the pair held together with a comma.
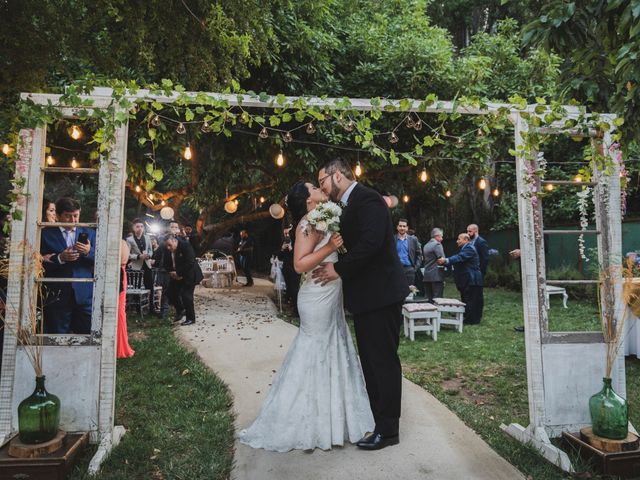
x: 453, y: 311
x: 427, y: 317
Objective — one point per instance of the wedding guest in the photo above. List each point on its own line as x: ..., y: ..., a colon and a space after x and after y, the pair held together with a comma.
x: 245, y: 251
x: 161, y: 275
x: 184, y: 274
x: 49, y: 211
x: 141, y: 252
x: 482, y: 247
x: 191, y: 236
x: 123, y: 350
x: 225, y: 244
x: 468, y: 278
x: 433, y: 272
x: 174, y: 228
x: 291, y: 277
x: 409, y: 251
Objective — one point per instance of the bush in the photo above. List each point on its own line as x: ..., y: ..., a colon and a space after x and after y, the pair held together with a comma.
x: 503, y: 273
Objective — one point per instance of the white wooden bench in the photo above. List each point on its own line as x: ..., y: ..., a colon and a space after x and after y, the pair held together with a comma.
x: 451, y: 312
x: 420, y: 317
x: 553, y: 290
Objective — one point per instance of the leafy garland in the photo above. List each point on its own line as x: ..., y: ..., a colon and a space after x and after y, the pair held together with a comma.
x: 218, y: 116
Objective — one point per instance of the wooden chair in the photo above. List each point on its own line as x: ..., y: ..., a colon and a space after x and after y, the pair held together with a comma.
x: 137, y: 295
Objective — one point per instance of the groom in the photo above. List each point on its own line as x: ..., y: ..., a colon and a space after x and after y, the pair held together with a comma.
x: 374, y: 286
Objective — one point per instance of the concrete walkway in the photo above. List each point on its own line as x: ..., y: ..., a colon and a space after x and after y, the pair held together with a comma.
x: 239, y: 336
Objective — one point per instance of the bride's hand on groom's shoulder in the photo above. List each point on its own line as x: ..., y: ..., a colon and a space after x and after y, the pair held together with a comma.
x: 324, y: 274
x: 336, y: 241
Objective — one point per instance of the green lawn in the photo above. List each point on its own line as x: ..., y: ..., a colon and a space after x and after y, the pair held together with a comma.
x: 177, y: 414
x: 481, y: 373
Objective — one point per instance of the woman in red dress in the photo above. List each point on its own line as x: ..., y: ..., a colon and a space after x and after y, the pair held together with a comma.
x: 123, y: 350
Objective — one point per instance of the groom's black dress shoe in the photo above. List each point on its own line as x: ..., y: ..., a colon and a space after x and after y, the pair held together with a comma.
x: 376, y: 441
x: 188, y: 322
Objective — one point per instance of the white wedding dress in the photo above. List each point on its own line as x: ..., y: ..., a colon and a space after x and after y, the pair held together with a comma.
x: 318, y: 397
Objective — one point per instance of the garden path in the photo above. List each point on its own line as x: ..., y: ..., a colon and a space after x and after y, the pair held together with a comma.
x: 239, y: 336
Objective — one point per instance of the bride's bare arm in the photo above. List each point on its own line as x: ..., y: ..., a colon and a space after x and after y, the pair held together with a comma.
x: 304, y: 258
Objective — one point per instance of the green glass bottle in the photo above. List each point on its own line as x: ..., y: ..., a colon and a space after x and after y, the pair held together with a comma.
x: 38, y: 415
x: 609, y: 413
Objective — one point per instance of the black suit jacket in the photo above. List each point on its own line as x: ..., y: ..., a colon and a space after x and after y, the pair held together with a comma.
x: 372, y: 276
x: 482, y: 247
x: 186, y: 265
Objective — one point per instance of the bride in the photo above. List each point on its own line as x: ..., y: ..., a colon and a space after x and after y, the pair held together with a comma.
x: 318, y: 398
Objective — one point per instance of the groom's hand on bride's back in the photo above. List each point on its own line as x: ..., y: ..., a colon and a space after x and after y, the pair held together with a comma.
x: 324, y: 274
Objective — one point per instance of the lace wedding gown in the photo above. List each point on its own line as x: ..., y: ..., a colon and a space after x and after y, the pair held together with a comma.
x: 318, y: 397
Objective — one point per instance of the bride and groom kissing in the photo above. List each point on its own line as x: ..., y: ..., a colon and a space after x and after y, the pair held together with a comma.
x: 318, y: 398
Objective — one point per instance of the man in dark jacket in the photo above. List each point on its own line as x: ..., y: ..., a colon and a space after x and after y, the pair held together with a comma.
x: 468, y: 278
x: 374, y: 287
x: 184, y: 274
x: 245, y: 252
x: 433, y: 273
x: 482, y: 247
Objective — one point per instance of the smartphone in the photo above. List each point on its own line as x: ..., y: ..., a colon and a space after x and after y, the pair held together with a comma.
x: 83, y: 238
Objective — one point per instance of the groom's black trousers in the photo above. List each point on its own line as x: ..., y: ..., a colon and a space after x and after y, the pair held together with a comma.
x: 378, y: 336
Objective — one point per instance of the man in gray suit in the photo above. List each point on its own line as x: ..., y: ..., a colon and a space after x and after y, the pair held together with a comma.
x: 433, y: 273
x: 140, y: 252
x: 409, y: 252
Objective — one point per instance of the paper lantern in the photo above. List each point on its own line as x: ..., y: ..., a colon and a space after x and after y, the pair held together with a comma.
x: 230, y: 206
x: 166, y: 213
x: 276, y: 211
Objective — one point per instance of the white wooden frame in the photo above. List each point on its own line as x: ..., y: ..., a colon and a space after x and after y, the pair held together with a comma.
x: 541, y: 346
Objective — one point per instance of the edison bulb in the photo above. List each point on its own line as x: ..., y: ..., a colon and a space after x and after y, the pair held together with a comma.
x: 483, y: 184
x: 287, y: 137
x: 163, y: 203
x: 311, y: 128
x: 187, y: 154
x: 424, y: 176
x: 393, y: 138
x: 405, y: 198
x: 496, y: 192
x: 181, y: 129
x: 549, y: 187
x: 358, y: 169
x: 447, y: 194
x: 262, y: 199
x: 74, y: 163
x: 50, y: 160
x: 264, y: 133
x: 6, y: 149
x: 138, y: 189
x: 206, y: 128
x: 577, y: 178
x: 280, y: 160
x: 418, y: 124
x: 155, y: 121
x: 75, y: 132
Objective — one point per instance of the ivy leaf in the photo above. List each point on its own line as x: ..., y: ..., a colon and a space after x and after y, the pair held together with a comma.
x: 152, y: 133
x: 142, y: 141
x: 149, y: 168
x: 188, y: 115
x: 286, y: 117
x: 274, y: 120
x: 157, y: 175
x: 149, y: 184
x: 405, y: 104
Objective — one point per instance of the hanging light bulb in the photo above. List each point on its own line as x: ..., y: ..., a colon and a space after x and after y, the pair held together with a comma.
x: 155, y: 121
x: 262, y: 199
x: 418, y: 124
x: 311, y: 128
x: 138, y: 189
x: 447, y: 194
x: 287, y: 137
x: 424, y: 176
x: 181, y: 129
x: 163, y: 203
x: 358, y: 169
x: 549, y: 187
x: 6, y: 149
x: 50, y: 160
x: 483, y: 184
x: 205, y: 128
x: 393, y: 138
x: 187, y: 154
x: 151, y: 197
x: 264, y: 133
x: 496, y: 192
x: 577, y: 178
x: 236, y: 201
x: 405, y: 198
x: 74, y: 162
x: 280, y: 160
x: 410, y: 122
x: 75, y: 132
x: 349, y: 125
x: 480, y: 132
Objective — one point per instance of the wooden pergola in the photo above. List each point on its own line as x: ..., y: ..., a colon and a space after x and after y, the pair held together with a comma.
x: 563, y: 368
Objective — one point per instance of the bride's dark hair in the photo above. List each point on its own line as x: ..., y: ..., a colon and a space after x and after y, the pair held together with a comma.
x: 297, y: 204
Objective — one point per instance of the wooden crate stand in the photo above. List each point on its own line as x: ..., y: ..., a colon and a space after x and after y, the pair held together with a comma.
x: 421, y: 317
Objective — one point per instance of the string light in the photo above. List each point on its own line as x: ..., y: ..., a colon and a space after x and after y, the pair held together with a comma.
x: 262, y: 199
x: 151, y: 197
x: 163, y: 203
x: 480, y: 132
x: 264, y: 133
x: 424, y: 176
x: 155, y: 121
x: 287, y: 137
x: 358, y: 169
x: 74, y: 162
x: 205, y: 128
x: 418, y: 125
x: 549, y: 187
x: 236, y: 201
x: 75, y: 132
x: 405, y: 198
x: 483, y: 184
x: 311, y: 128
x: 187, y: 154
x: 447, y: 194
x: 138, y: 189
x: 181, y: 129
x: 393, y: 138
x: 134, y: 109
x: 280, y: 160
x: 496, y: 192
x: 6, y: 149
x: 577, y: 178
x: 50, y: 160
x: 410, y: 122
x: 349, y: 125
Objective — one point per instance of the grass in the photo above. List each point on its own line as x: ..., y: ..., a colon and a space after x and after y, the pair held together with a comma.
x: 177, y: 414
x: 481, y: 374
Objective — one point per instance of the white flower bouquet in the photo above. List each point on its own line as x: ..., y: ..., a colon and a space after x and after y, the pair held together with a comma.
x: 326, y: 218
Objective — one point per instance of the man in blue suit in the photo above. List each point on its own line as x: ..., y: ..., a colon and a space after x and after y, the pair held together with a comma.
x: 482, y: 247
x: 68, y: 253
x: 468, y: 278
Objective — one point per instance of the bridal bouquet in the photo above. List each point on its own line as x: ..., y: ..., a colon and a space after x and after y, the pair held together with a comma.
x: 326, y: 218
